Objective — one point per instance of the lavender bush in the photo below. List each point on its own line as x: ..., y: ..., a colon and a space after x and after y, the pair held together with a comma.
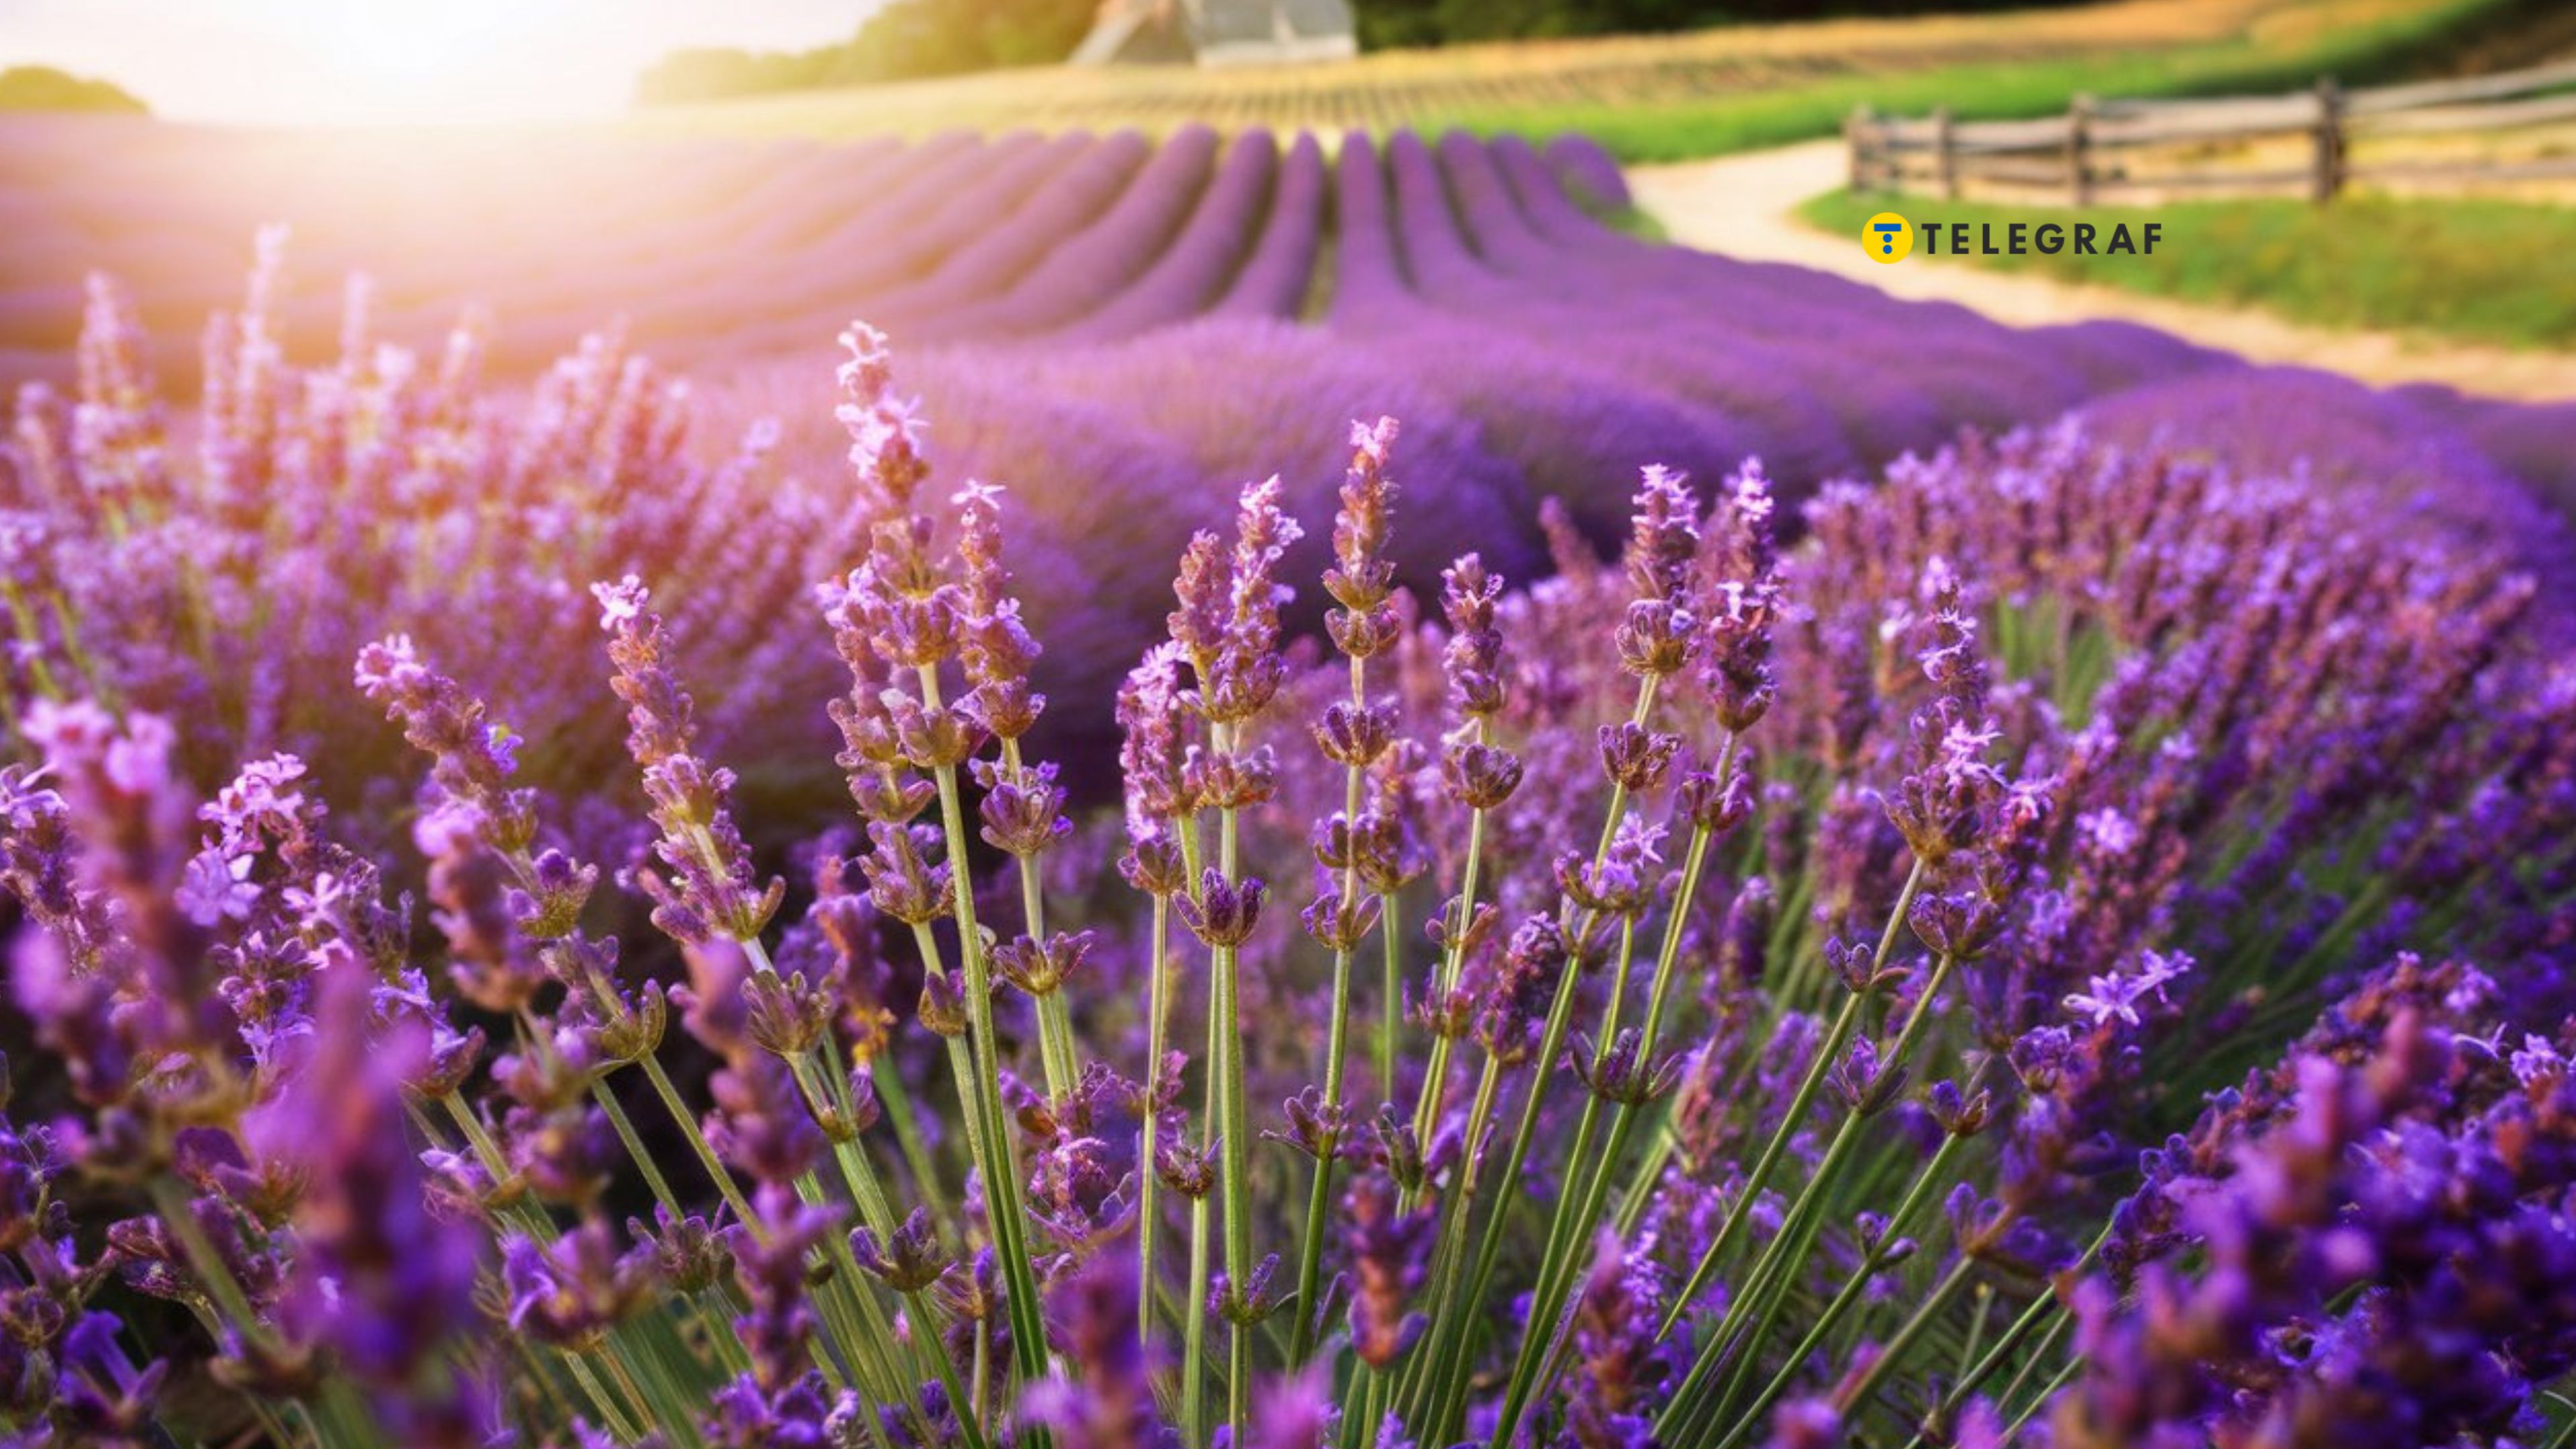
x: 221, y: 565
x: 2071, y: 951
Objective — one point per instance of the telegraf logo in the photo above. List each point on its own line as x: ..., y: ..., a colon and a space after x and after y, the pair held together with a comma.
x: 1888, y: 237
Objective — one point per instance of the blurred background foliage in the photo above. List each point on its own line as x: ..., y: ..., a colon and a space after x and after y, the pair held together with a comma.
x: 44, y: 88
x: 909, y: 39
x: 917, y: 39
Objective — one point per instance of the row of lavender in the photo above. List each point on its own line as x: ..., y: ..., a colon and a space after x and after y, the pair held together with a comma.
x: 1534, y: 349
x: 1723, y: 995
x: 333, y: 500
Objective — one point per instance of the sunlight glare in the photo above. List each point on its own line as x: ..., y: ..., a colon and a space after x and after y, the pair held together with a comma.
x: 454, y: 60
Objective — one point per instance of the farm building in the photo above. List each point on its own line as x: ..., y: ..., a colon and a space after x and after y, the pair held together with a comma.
x: 1218, y: 32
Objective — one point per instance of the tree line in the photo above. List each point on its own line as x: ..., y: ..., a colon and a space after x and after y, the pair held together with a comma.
x: 911, y: 39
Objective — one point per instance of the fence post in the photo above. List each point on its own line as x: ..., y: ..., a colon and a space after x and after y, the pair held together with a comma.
x: 2327, y: 179
x: 2079, y: 149
x: 1856, y: 134
x: 1945, y: 150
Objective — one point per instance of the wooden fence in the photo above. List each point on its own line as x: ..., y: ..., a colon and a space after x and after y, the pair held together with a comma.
x: 2442, y: 133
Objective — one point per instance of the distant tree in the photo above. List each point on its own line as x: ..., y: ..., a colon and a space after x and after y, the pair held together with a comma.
x: 1391, y: 24
x: 905, y: 40
x: 913, y: 38
x: 44, y: 88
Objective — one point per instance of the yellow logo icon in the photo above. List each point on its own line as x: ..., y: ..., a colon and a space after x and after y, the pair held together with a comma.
x: 1888, y: 237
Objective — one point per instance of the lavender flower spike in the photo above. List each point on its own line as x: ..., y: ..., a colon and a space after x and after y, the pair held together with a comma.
x: 711, y: 889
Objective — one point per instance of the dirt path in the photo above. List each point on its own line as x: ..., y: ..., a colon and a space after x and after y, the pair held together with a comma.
x: 1745, y: 206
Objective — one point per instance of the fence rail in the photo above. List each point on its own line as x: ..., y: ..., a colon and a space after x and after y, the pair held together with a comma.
x: 2303, y: 142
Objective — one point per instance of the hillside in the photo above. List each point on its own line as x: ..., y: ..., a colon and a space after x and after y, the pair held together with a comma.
x: 1663, y: 96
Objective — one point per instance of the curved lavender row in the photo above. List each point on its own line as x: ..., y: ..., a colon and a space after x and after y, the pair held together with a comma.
x: 1277, y: 369
x: 817, y: 224
x: 1573, y: 402
x: 1443, y: 266
x: 1571, y: 418
x: 2107, y: 355
x: 1549, y: 388
x: 1957, y: 366
x: 1202, y: 260
x: 2527, y: 439
x: 958, y: 205
x: 1106, y: 255
x: 2383, y: 450
x: 1575, y: 324
x: 1504, y: 234
x: 2531, y: 439
x: 1823, y: 413
x: 453, y: 253
x: 1879, y: 411
x: 1277, y: 278
x: 691, y: 277
x: 1089, y: 184
x: 1589, y: 172
x: 1370, y: 283
x: 695, y: 283
x: 651, y: 233
x: 1764, y: 299
x: 853, y: 244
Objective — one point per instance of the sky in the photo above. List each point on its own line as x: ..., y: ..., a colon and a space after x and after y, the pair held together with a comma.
x: 341, y: 62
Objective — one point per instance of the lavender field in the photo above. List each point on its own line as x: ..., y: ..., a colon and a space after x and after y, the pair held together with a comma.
x: 1319, y: 800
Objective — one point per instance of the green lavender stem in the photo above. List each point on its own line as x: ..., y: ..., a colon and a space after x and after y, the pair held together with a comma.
x: 1310, y: 1252
x: 1435, y: 1076
x: 999, y: 1166
x: 1843, y: 1302
x: 634, y: 1145
x: 1752, y: 1311
x: 2074, y: 1365
x: 1562, y: 1260
x: 1149, y: 1209
x: 1857, y: 1392
x: 1056, y: 1055
x: 1559, y: 1263
x: 1551, y: 1039
x: 906, y: 1122
x: 347, y: 1422
x: 1235, y: 1178
x: 1194, y: 1317
x: 1390, y: 911
x: 967, y: 1414
x: 2042, y: 1311
x: 1845, y: 1022
x: 1426, y: 1380
x: 2038, y: 1355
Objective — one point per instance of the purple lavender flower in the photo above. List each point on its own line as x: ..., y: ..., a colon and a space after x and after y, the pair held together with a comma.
x: 711, y: 888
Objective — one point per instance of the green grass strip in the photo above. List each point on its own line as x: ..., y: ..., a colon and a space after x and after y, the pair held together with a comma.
x: 2466, y: 269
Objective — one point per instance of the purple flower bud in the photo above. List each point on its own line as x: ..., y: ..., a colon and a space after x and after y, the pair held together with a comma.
x: 1635, y: 758
x: 1042, y: 969
x: 1248, y: 1303
x: 1480, y: 776
x: 1223, y: 915
x: 908, y: 1261
x: 1355, y: 735
x: 1190, y: 1172
x: 1656, y: 637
